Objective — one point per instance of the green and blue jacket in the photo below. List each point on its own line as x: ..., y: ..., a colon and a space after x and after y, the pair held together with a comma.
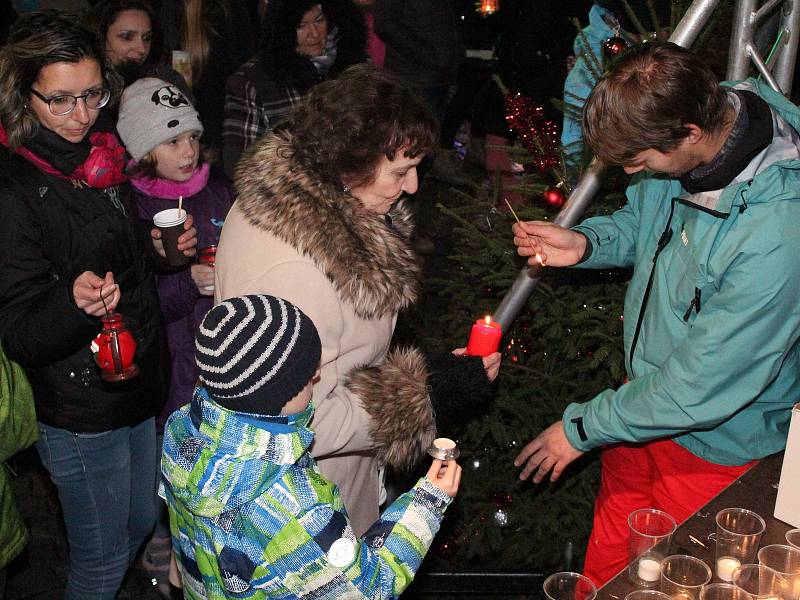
x: 252, y: 517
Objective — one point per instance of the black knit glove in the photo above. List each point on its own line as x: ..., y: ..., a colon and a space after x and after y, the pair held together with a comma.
x: 460, y: 391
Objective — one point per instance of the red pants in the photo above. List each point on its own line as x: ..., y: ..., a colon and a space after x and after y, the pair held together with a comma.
x: 660, y: 475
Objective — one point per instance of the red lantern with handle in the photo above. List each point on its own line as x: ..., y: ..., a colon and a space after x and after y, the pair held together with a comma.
x: 114, y: 349
x: 207, y: 255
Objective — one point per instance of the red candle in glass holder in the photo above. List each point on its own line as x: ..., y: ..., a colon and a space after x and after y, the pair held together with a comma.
x: 484, y: 338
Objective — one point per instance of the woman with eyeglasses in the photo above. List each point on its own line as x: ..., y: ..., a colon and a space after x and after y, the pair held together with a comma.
x: 76, y: 250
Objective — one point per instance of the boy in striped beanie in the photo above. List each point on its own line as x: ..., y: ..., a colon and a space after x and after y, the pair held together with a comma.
x: 251, y: 515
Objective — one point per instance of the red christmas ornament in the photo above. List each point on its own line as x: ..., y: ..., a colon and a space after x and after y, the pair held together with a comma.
x: 114, y: 349
x: 613, y: 46
x: 554, y: 197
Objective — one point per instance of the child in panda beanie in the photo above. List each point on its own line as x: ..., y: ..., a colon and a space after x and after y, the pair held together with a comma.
x: 161, y: 131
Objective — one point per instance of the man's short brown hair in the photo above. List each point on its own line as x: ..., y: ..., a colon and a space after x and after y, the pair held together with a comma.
x: 647, y: 98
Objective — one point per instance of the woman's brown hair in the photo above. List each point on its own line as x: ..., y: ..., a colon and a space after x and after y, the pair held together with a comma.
x: 344, y: 126
x: 39, y: 39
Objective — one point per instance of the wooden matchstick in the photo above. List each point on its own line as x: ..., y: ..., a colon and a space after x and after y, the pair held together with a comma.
x: 538, y: 257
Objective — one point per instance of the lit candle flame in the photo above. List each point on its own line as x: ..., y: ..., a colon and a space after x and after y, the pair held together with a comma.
x: 488, y: 319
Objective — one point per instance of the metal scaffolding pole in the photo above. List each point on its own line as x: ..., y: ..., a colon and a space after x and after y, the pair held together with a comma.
x: 790, y: 23
x: 685, y: 34
x: 778, y: 71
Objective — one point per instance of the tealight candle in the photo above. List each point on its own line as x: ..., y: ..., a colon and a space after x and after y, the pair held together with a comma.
x: 484, y: 338
x: 444, y: 449
x: 649, y: 569
x: 725, y: 567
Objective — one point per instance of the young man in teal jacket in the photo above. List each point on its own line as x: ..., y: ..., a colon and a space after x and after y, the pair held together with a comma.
x: 711, y: 314
x: 251, y: 515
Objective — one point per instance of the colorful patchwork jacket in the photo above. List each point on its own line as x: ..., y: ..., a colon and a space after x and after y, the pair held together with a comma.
x: 252, y: 517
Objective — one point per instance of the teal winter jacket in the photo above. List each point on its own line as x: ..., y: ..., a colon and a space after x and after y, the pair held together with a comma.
x: 716, y: 364
x: 253, y: 518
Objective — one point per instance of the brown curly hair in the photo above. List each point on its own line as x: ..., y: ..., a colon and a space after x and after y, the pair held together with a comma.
x: 344, y: 126
x: 39, y: 39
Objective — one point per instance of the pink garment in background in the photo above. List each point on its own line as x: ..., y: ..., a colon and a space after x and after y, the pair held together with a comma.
x: 375, y: 46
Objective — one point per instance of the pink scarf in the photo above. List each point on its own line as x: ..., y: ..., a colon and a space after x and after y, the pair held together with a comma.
x: 171, y: 190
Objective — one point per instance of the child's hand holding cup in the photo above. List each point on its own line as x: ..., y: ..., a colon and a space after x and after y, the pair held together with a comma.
x: 171, y: 224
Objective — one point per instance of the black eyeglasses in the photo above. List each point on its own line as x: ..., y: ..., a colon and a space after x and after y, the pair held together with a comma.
x: 63, y: 104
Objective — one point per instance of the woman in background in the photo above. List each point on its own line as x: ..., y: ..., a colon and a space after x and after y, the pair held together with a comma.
x: 133, y: 41
x: 303, y: 43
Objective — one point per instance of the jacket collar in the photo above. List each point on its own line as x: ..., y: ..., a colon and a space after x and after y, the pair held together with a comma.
x: 783, y: 150
x: 367, y: 258
x: 216, y: 460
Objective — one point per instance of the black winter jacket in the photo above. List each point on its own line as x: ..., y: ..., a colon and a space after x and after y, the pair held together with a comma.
x: 53, y: 230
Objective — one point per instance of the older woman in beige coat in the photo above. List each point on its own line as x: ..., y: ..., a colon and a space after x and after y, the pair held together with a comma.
x: 318, y: 222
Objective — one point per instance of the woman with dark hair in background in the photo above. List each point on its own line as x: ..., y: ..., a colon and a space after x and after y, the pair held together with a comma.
x: 133, y: 41
x: 78, y: 251
x: 319, y: 221
x: 303, y: 42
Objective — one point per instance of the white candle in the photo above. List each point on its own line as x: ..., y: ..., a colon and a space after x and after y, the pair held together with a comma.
x: 725, y: 567
x: 444, y: 443
x: 649, y: 569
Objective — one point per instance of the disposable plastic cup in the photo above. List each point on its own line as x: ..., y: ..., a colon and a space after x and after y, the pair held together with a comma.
x: 723, y: 591
x: 786, y: 561
x: 793, y: 538
x: 738, y: 534
x: 761, y: 582
x: 649, y: 535
x: 647, y: 595
x: 683, y: 576
x: 569, y: 586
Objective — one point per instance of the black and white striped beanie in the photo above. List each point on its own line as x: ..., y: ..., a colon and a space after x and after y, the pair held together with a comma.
x: 255, y: 353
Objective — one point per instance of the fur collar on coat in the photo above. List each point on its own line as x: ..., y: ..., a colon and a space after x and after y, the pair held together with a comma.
x: 369, y: 262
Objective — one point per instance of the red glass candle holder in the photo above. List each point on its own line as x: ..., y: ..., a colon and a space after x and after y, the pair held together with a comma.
x: 207, y: 255
x: 114, y: 349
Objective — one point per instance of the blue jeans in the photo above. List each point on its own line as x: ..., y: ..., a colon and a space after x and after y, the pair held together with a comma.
x: 105, y: 484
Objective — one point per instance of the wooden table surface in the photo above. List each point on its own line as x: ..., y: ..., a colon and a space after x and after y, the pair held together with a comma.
x: 755, y: 490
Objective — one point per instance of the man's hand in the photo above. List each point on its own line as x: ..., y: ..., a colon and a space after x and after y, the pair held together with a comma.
x: 557, y: 246
x: 549, y: 450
